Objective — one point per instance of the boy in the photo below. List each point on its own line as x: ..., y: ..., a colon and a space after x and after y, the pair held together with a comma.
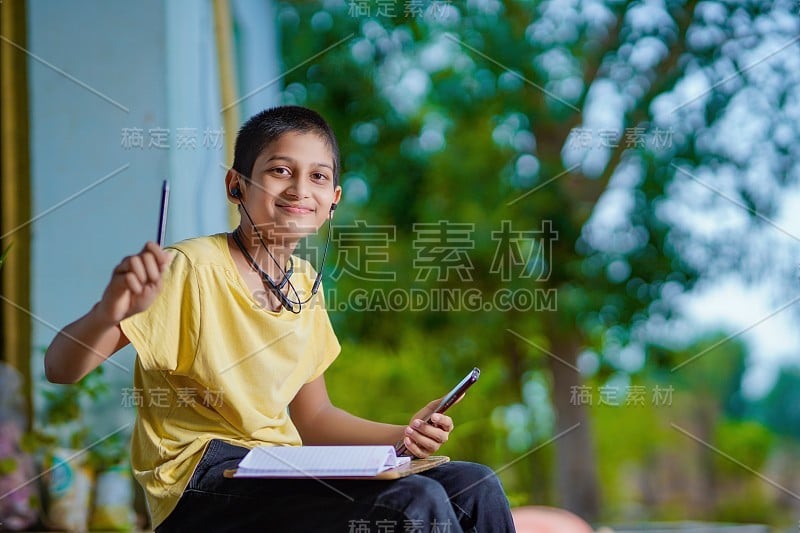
x: 194, y: 319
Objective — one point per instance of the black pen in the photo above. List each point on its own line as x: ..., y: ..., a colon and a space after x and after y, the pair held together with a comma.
x: 162, y: 222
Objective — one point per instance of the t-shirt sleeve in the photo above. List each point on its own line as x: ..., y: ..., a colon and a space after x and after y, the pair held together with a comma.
x: 166, y: 334
x: 328, y: 347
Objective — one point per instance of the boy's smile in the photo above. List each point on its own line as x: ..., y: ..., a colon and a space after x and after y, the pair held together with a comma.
x: 296, y: 209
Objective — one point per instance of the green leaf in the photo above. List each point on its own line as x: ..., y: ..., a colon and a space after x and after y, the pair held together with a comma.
x: 7, y: 465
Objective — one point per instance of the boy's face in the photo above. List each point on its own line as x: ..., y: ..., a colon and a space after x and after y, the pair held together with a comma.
x: 291, y: 189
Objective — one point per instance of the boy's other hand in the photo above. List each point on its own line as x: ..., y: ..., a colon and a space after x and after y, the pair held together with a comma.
x: 423, y: 438
x: 135, y: 283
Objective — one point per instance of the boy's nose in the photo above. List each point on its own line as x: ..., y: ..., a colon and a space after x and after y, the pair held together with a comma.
x: 297, y: 189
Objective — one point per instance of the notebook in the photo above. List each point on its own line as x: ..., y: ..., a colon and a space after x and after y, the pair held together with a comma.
x: 319, y: 461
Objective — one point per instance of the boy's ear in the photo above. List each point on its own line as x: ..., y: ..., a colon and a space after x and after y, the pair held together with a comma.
x: 233, y: 186
x: 337, y: 197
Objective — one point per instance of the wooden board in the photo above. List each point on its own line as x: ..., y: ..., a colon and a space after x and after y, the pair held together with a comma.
x: 414, y: 467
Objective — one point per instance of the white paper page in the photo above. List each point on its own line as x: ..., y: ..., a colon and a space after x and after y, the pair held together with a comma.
x: 308, y: 461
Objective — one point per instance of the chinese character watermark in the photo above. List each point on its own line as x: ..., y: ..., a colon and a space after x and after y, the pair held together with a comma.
x: 386, y: 525
x: 362, y: 249
x: 511, y: 257
x: 161, y: 397
x: 636, y: 137
x: 164, y: 139
x: 630, y: 396
x: 437, y: 9
x: 442, y: 248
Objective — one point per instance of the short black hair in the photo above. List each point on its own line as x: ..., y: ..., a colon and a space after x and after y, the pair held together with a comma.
x: 268, y: 125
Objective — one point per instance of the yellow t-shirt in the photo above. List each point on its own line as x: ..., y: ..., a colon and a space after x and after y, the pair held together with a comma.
x: 214, y: 363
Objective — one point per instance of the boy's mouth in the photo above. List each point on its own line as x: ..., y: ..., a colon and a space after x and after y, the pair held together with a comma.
x: 295, y: 209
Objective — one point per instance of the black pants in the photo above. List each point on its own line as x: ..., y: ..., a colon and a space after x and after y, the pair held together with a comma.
x: 450, y: 498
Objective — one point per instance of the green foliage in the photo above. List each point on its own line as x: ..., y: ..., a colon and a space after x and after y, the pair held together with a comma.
x: 747, y: 446
x: 109, y: 452
x: 7, y: 465
x: 750, y: 506
x: 64, y: 404
x: 780, y: 408
x: 651, y: 453
x: 748, y: 442
x: 62, y: 420
x: 63, y: 423
x: 711, y: 368
x: 629, y: 438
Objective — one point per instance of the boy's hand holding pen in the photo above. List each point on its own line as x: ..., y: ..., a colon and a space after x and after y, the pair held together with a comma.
x: 136, y: 281
x: 134, y: 284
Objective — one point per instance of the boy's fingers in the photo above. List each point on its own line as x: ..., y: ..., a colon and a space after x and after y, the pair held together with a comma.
x: 151, y: 266
x: 162, y: 256
x: 415, y: 450
x: 137, y: 268
x: 429, y: 434
x: 434, y: 434
x: 437, y: 428
x: 165, y: 259
x: 442, y: 421
x: 424, y: 445
x: 150, y: 246
x: 134, y: 285
x: 123, y: 267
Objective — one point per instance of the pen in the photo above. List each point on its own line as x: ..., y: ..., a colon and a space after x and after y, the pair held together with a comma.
x: 162, y: 222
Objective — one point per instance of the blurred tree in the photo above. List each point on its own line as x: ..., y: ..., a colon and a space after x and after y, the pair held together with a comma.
x: 704, y: 392
x: 745, y: 500
x: 564, y: 153
x: 780, y: 408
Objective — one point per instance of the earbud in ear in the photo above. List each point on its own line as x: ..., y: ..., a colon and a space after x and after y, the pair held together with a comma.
x: 333, y: 207
x: 236, y: 193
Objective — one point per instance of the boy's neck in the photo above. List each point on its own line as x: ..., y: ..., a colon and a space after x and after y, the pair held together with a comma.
x: 281, y: 251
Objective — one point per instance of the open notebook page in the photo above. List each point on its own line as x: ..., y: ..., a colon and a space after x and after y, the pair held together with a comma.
x: 312, y: 461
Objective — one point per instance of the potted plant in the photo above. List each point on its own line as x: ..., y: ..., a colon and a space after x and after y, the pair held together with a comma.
x: 63, y: 438
x: 113, y: 488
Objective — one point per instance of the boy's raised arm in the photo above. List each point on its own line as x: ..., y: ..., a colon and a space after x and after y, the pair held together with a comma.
x: 82, y: 345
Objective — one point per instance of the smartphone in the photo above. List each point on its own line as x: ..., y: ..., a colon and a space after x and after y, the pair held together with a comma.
x: 447, y: 402
x: 162, y: 221
x: 457, y: 391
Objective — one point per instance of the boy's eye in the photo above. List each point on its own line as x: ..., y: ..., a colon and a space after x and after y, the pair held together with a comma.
x: 282, y: 171
x: 320, y: 177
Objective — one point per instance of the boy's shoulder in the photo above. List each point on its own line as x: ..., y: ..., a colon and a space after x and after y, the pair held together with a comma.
x: 208, y: 248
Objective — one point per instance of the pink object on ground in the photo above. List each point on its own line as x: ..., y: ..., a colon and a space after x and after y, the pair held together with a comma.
x: 535, y: 519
